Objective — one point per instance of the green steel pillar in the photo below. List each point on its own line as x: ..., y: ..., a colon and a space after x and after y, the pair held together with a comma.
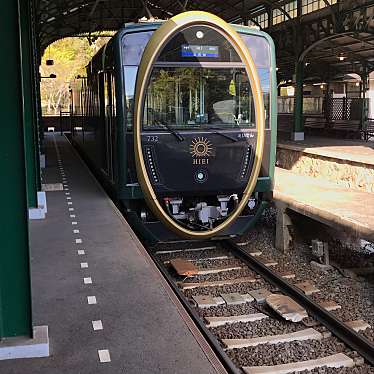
x: 36, y: 94
x: 298, y: 128
x: 28, y: 101
x: 15, y: 298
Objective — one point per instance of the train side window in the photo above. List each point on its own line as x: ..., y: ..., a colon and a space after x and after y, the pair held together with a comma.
x: 130, y: 81
x: 260, y: 52
x: 133, y: 47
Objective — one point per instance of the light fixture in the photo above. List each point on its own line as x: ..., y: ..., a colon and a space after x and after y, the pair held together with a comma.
x: 199, y: 34
x: 342, y: 57
x: 357, y: 84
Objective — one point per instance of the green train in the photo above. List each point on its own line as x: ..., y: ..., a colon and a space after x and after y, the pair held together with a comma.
x: 178, y: 120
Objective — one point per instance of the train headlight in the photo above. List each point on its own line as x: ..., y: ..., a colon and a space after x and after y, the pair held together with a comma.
x: 201, y: 176
x: 199, y: 35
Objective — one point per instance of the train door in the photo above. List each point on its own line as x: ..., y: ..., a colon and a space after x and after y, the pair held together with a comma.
x: 109, y: 123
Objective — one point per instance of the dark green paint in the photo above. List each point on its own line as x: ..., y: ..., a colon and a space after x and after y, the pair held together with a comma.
x: 28, y: 105
x: 15, y: 300
x: 299, y: 96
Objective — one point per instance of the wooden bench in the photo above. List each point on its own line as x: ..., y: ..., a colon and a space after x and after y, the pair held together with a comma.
x: 315, y: 122
x: 350, y: 127
x: 368, y: 131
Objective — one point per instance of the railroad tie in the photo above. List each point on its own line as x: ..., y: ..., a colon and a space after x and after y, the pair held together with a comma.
x: 192, y: 285
x: 334, y: 361
x: 306, y: 334
x: 220, y: 321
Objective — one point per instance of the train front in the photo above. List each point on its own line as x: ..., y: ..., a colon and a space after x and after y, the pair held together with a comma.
x: 199, y: 125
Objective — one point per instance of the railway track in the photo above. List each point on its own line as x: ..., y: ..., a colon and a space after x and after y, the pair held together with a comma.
x: 258, y: 320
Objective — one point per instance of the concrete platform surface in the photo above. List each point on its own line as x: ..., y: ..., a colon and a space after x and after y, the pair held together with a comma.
x: 327, y: 202
x: 107, y: 308
x: 346, y: 150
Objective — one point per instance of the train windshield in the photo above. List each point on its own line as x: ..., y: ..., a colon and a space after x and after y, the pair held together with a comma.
x: 198, y: 81
x: 198, y: 96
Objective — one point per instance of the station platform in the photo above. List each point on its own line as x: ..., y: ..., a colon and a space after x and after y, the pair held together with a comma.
x: 345, y: 150
x: 326, y: 202
x: 349, y: 164
x: 107, y: 307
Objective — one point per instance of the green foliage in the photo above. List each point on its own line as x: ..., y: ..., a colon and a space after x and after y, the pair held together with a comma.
x: 70, y: 56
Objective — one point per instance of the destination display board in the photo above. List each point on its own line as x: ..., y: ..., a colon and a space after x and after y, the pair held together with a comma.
x: 194, y: 50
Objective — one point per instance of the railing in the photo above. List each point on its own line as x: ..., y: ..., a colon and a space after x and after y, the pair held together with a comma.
x: 311, y: 104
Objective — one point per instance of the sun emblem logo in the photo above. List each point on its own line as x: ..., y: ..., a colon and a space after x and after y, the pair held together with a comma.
x: 201, y: 147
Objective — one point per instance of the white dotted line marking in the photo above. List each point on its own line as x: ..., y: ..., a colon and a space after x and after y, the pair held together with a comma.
x: 75, y: 231
x: 78, y: 241
x: 72, y: 215
x: 70, y: 203
x: 97, y: 325
x: 71, y: 209
x: 81, y: 252
x: 67, y: 193
x: 104, y: 355
x: 74, y: 223
x: 84, y: 265
x: 68, y: 198
x: 87, y: 280
x: 91, y: 300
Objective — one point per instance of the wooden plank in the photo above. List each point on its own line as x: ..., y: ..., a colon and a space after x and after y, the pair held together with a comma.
x: 288, y: 275
x: 190, y: 285
x: 260, y: 295
x: 307, y: 287
x: 330, y: 305
x: 267, y: 262
x: 334, y: 361
x: 183, y: 267
x: 358, y: 325
x: 207, y: 301
x: 286, y: 307
x: 220, y: 321
x: 184, y: 250
x: 204, y: 259
x: 217, y: 270
x: 233, y: 298
x: 307, y: 334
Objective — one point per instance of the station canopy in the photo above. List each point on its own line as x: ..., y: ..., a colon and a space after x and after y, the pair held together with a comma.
x: 333, y: 37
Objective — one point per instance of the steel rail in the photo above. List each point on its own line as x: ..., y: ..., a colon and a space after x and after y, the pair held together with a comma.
x: 350, y: 337
x: 212, y: 340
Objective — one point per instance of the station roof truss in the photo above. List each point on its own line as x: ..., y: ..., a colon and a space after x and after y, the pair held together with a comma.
x: 337, y: 35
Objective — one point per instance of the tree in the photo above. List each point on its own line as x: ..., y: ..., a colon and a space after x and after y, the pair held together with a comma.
x: 70, y: 56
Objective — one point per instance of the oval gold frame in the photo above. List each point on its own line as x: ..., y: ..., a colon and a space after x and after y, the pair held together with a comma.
x: 151, y: 52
